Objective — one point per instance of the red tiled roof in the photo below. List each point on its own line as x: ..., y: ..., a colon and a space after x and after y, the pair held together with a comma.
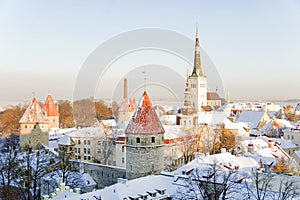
x: 33, y: 114
x: 145, y: 119
x: 50, y: 107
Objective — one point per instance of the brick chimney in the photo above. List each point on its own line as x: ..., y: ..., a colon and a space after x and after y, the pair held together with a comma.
x: 271, y: 143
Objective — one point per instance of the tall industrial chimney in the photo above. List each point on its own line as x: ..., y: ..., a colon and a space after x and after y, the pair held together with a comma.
x: 125, y: 89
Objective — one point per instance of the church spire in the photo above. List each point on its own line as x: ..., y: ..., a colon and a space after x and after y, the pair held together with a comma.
x: 197, y: 71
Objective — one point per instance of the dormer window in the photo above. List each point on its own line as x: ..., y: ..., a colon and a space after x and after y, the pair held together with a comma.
x: 138, y: 140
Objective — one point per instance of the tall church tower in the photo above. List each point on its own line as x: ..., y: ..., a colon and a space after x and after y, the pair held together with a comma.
x: 197, y: 80
x: 189, y: 117
x: 144, y: 141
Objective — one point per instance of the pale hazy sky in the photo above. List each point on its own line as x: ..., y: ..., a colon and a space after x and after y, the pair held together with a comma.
x: 255, y: 45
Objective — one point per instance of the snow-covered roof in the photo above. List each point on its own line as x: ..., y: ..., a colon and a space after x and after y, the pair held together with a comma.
x: 263, y: 152
x: 145, y: 119
x: 253, y: 118
x: 33, y: 114
x: 168, y: 119
x: 134, y: 188
x: 66, y: 140
x: 49, y: 107
x: 283, y: 143
x: 276, y: 123
x: 65, y: 194
x: 87, y: 132
x: 297, y: 108
x: 221, y: 159
x: 174, y: 131
x: 213, y: 118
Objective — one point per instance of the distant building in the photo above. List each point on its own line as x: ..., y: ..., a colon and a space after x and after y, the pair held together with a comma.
x: 213, y: 99
x: 127, y: 107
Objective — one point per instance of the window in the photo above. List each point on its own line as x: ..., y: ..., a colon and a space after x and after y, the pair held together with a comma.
x: 75, y: 149
x: 89, y: 157
x: 84, y: 150
x: 288, y: 137
x: 123, y: 160
x: 79, y: 157
x: 89, y: 151
x: 84, y: 158
x: 122, y: 148
x: 88, y: 142
x: 78, y: 150
x: 153, y: 139
x: 292, y: 137
x: 78, y: 141
x: 84, y: 142
x: 25, y: 126
x: 138, y: 140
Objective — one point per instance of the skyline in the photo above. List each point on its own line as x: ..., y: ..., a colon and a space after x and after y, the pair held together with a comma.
x: 253, y: 45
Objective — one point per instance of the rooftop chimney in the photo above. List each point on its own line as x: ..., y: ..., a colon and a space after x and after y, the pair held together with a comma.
x: 271, y: 143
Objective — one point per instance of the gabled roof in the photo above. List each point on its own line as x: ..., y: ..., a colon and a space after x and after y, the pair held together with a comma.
x: 213, y: 96
x: 50, y: 107
x: 145, y: 119
x: 33, y: 114
x: 253, y: 118
x: 66, y: 140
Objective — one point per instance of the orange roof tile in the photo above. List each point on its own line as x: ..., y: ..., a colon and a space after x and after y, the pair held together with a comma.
x: 50, y: 107
x: 33, y: 114
x: 145, y: 119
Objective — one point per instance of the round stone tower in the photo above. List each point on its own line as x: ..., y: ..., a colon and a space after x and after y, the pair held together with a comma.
x: 144, y: 141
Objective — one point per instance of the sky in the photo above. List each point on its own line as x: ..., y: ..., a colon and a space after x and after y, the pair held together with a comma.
x: 254, y: 45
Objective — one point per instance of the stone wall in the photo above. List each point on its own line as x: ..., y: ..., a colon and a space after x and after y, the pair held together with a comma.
x: 104, y: 175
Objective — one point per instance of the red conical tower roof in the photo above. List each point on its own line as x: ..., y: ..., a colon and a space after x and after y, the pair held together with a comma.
x: 145, y: 119
x: 33, y: 114
x: 50, y: 107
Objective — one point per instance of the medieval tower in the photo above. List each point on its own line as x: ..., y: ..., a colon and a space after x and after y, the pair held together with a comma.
x: 197, y: 80
x: 144, y: 141
x: 51, y: 113
x: 33, y: 127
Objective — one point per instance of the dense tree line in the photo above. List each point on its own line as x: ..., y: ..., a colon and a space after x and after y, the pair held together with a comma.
x: 83, y: 112
x: 9, y: 120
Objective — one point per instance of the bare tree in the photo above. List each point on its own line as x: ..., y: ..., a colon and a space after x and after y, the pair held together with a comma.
x: 271, y: 186
x: 32, y: 169
x: 9, y: 161
x: 210, y: 184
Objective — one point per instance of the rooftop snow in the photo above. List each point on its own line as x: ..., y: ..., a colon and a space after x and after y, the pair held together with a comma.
x: 145, y: 119
x: 253, y: 118
x: 33, y: 114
